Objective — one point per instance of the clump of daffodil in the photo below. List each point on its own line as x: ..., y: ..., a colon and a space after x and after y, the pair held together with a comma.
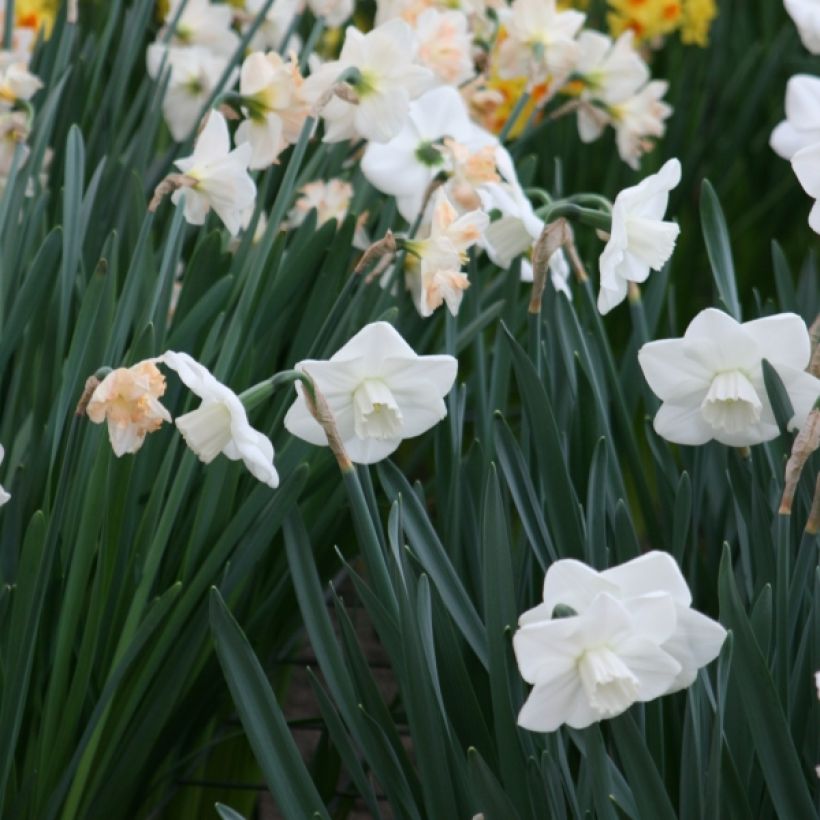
x: 651, y: 20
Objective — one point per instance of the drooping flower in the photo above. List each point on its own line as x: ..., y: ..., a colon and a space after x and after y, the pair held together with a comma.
x: 387, y: 79
x: 696, y: 639
x: 806, y: 16
x: 640, y: 240
x: 331, y: 200
x: 711, y: 380
x: 194, y: 73
x: 379, y: 391
x: 439, y: 279
x: 801, y: 127
x: 220, y: 424
x: 540, y: 40
x: 595, y: 664
x: 128, y: 398
x: 218, y: 176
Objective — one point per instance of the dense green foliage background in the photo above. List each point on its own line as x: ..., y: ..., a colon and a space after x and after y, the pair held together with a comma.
x: 113, y: 697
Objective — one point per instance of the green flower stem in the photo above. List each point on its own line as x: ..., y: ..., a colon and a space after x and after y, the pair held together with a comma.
x: 568, y: 209
x: 310, y: 44
x: 625, y: 422
x: 592, y: 199
x: 520, y: 105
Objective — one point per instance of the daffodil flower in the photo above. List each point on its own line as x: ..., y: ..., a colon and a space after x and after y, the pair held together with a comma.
x: 128, y: 399
x: 640, y: 239
x: 220, y: 424
x: 801, y: 127
x: 218, y: 177
x: 379, y: 391
x: 387, y: 78
x: 711, y: 380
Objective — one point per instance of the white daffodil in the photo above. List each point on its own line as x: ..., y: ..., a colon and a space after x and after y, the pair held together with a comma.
x: 639, y: 239
x: 801, y: 127
x: 405, y: 166
x: 276, y: 25
x: 612, y: 72
x: 219, y: 177
x: 333, y: 12
x: 439, y: 278
x: 388, y: 79
x: 128, y: 398
x: 639, y: 120
x: 806, y: 165
x: 540, y: 40
x: 517, y: 228
x: 379, y: 391
x: 275, y: 113
x: 445, y: 45
x: 194, y: 74
x: 711, y: 380
x: 203, y: 23
x: 806, y: 16
x: 18, y: 83
x: 594, y: 665
x: 696, y: 639
x: 220, y: 424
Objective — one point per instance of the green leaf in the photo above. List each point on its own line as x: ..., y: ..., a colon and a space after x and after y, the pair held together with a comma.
x: 778, y: 397
x: 716, y: 237
x: 642, y: 775
x: 779, y: 761
x: 227, y: 813
x: 265, y: 725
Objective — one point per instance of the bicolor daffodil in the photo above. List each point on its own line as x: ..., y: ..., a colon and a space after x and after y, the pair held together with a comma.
x: 128, y: 398
x: 441, y: 255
